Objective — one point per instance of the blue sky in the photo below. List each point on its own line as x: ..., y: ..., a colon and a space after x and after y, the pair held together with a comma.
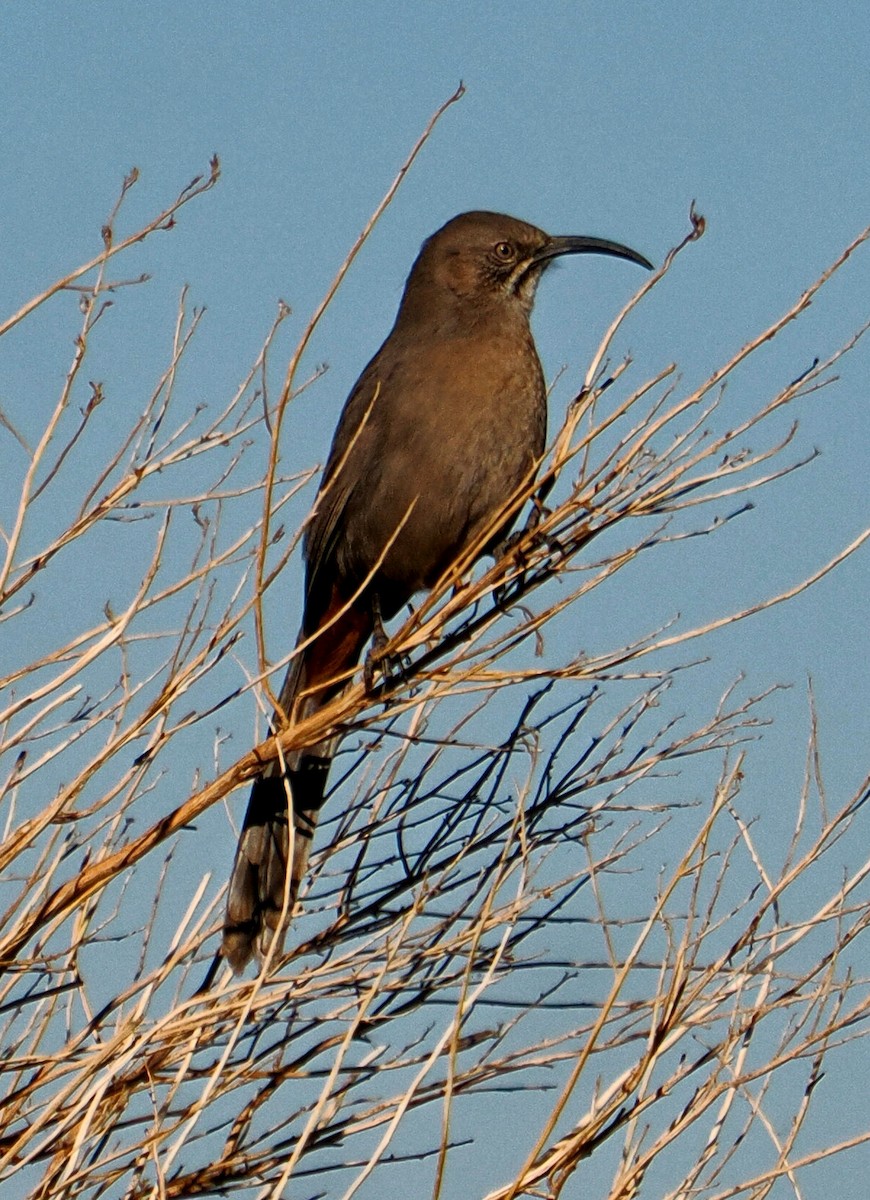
x: 598, y: 118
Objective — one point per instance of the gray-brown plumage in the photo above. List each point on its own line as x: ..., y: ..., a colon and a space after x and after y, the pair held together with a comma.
x: 444, y: 424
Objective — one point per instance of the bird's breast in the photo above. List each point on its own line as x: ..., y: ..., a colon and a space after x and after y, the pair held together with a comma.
x: 452, y: 431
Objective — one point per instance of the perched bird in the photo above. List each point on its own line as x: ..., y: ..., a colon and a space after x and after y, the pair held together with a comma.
x: 443, y: 426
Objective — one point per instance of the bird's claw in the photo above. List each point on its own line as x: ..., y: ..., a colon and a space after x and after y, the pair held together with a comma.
x: 518, y: 545
x: 389, y: 665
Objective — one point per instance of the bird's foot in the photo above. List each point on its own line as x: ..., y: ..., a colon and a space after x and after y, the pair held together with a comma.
x: 518, y: 546
x: 391, y: 666
x: 511, y: 548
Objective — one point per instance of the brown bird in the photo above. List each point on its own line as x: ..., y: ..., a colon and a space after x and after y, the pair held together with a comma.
x: 445, y: 423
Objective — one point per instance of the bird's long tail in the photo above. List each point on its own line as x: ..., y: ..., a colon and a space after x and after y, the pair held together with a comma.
x: 272, y: 854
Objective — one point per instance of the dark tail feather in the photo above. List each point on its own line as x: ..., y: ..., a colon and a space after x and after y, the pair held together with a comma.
x: 272, y: 855
x: 261, y: 886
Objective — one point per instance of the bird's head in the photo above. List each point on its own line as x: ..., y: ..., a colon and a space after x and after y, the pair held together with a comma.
x: 479, y: 258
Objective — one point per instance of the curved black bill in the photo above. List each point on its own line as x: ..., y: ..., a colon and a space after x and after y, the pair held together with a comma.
x: 589, y: 245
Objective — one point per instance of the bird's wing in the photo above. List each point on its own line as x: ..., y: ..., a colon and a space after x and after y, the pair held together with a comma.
x: 349, y: 467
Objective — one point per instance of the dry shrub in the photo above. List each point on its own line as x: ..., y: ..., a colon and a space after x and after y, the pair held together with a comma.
x: 535, y: 894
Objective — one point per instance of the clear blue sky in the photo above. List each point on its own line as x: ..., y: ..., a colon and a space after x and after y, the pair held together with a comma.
x: 605, y: 118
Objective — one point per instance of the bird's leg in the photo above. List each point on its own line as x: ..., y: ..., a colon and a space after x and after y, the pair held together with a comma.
x: 539, y: 511
x: 509, y: 546
x: 389, y: 665
x: 509, y: 543
x: 375, y: 656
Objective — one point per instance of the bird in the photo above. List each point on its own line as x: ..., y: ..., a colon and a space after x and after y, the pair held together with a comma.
x: 441, y: 429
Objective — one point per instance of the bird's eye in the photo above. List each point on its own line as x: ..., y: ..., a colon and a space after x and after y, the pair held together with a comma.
x: 504, y: 251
